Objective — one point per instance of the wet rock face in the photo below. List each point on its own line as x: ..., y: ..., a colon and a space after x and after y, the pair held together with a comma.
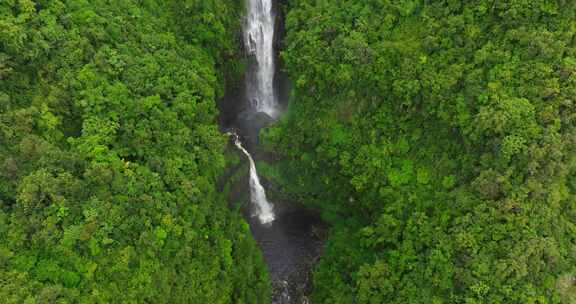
x: 248, y: 125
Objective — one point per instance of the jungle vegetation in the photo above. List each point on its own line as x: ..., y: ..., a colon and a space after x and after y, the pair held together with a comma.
x: 110, y: 151
x: 437, y: 138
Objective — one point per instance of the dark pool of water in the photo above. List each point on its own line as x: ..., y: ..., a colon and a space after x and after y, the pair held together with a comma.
x: 290, y: 246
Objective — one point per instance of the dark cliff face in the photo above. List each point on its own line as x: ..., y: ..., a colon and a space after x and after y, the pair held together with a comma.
x: 248, y: 124
x: 232, y: 103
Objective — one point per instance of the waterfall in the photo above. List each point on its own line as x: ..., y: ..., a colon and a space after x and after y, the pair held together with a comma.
x: 264, y: 209
x: 259, y: 42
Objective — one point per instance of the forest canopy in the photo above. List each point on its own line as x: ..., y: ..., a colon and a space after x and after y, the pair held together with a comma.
x: 109, y: 155
x: 438, y: 140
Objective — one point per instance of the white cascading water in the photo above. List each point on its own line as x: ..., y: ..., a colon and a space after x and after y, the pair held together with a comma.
x: 264, y: 210
x: 259, y: 41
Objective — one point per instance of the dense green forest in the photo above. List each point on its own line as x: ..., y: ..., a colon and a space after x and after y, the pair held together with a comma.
x: 109, y: 155
x: 437, y: 138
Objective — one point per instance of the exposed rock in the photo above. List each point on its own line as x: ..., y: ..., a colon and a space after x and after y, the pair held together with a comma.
x: 249, y: 124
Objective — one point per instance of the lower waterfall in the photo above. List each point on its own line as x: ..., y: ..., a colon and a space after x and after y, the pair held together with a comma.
x: 263, y: 209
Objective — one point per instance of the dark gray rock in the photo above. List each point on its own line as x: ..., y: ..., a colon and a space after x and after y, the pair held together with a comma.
x: 248, y: 125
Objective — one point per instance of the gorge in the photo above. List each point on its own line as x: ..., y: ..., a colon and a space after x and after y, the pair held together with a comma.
x: 259, y: 43
x: 287, y: 234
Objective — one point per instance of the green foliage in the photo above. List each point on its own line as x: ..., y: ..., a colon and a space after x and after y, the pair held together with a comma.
x: 109, y: 155
x: 437, y: 137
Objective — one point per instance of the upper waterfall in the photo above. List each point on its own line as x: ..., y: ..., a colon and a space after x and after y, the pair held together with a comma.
x: 259, y: 42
